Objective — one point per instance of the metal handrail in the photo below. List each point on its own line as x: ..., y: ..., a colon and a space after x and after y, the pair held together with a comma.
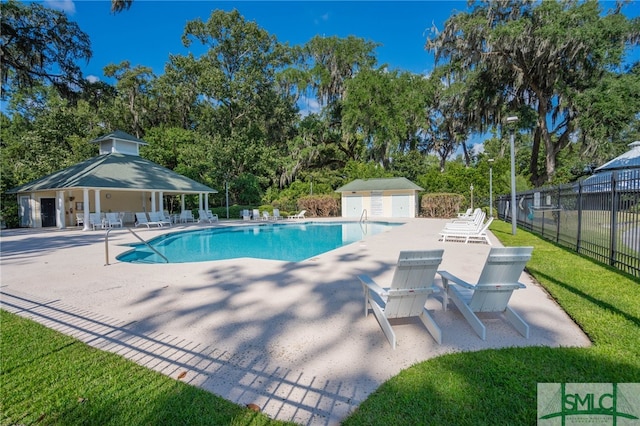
x: 364, y: 213
x: 106, y: 246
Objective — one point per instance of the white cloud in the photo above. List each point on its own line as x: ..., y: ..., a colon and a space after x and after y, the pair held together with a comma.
x: 92, y: 79
x: 67, y: 6
x: 308, y: 106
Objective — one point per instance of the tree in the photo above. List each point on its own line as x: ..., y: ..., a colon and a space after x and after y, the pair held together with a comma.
x: 120, y: 5
x: 40, y: 46
x: 388, y: 109
x: 543, y: 55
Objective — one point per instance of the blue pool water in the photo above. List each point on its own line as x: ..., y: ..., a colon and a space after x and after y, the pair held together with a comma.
x: 288, y: 242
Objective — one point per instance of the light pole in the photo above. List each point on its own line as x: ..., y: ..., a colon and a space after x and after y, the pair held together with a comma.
x: 226, y: 188
x: 512, y: 120
x: 471, y: 196
x: 490, y: 161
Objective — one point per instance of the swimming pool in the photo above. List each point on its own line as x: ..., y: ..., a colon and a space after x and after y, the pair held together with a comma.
x: 292, y: 242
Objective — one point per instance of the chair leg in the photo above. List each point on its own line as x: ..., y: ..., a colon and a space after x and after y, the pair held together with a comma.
x: 517, y: 322
x: 431, y: 325
x: 384, y: 324
x: 366, y: 300
x: 469, y: 315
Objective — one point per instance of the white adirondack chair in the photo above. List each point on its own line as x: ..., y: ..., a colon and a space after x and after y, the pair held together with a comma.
x: 411, y: 285
x: 474, y: 235
x: 498, y: 280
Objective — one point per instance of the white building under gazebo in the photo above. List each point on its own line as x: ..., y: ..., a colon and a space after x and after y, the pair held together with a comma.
x: 117, y: 180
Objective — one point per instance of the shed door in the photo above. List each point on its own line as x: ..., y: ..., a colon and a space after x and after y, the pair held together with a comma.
x: 48, y: 211
x: 352, y: 206
x: 25, y: 212
x: 400, y: 206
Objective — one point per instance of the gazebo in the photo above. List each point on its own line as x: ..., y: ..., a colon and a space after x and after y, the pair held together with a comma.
x: 117, y: 180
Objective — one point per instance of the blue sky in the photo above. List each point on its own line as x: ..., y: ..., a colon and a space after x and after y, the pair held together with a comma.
x: 151, y: 30
x: 148, y: 32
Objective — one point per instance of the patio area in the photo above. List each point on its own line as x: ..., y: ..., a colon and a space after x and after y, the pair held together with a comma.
x: 291, y: 338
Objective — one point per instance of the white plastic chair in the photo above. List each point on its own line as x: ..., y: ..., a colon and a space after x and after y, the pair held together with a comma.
x: 411, y: 285
x: 498, y: 280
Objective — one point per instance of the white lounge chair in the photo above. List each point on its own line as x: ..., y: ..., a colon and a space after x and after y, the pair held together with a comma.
x: 255, y: 215
x: 498, y: 280
x: 245, y: 215
x: 265, y: 215
x: 79, y: 219
x: 475, y: 223
x: 411, y: 285
x: 466, y: 214
x: 298, y: 216
x: 159, y: 218
x: 186, y: 216
x: 276, y: 214
x: 467, y: 235
x: 113, y: 220
x: 141, y: 219
x: 207, y: 216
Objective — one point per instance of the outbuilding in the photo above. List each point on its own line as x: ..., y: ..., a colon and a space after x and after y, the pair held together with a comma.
x: 117, y: 180
x: 381, y: 197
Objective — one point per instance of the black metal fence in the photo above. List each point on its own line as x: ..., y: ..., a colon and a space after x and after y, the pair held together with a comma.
x: 598, y: 217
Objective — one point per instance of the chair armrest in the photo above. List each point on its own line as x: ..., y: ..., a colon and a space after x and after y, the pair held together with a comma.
x: 373, y: 287
x: 446, y: 277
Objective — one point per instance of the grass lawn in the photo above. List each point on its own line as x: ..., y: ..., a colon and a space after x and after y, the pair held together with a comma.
x: 50, y: 378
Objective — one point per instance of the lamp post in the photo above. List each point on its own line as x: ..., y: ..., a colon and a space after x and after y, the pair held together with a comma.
x: 471, y: 196
x: 512, y: 120
x: 490, y: 161
x: 226, y: 188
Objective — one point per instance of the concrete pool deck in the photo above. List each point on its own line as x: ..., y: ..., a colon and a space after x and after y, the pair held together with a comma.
x: 291, y: 338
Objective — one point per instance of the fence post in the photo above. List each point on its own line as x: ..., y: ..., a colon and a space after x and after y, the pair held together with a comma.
x: 579, y: 233
x: 614, y: 219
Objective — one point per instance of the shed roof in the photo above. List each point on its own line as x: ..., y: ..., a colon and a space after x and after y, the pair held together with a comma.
x: 380, y: 184
x: 117, y: 172
x: 119, y: 135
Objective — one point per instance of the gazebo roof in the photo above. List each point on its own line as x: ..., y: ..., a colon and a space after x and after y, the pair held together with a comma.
x: 116, y: 171
x: 629, y: 159
x: 379, y: 184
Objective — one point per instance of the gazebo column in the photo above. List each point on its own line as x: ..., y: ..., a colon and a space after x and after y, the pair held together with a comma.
x: 85, y: 213
x: 61, y: 212
x: 161, y: 202
x: 181, y: 203
x: 96, y: 197
x: 206, y: 201
x: 153, y: 201
x: 200, y: 201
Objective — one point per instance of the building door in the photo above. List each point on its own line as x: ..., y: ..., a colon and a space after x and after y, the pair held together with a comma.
x: 352, y: 206
x: 25, y: 212
x: 400, y: 206
x: 48, y: 212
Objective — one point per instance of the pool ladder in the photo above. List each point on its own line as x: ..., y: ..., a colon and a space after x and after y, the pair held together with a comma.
x: 363, y: 220
x: 106, y: 246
